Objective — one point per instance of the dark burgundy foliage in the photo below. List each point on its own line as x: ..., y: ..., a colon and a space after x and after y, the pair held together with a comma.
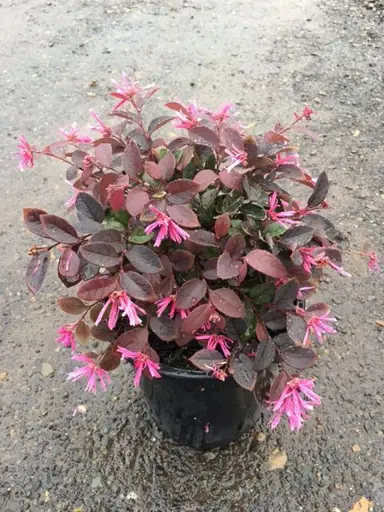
x: 167, y: 225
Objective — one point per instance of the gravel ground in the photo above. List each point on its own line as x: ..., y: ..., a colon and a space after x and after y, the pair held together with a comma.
x: 271, y: 57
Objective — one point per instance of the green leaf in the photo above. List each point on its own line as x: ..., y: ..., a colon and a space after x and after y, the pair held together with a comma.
x: 121, y: 216
x: 208, y: 198
x: 250, y: 320
x: 262, y: 293
x: 233, y: 202
x: 253, y: 210
x: 235, y: 227
x: 110, y: 223
x: 189, y: 171
x: 273, y: 229
x: 210, y: 162
x: 138, y: 236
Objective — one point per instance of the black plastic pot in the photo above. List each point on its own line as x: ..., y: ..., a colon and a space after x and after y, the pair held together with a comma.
x: 197, y: 410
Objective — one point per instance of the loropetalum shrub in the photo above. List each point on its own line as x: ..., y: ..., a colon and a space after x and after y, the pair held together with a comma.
x: 190, y: 252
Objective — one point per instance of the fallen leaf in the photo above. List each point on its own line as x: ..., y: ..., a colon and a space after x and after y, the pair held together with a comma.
x: 46, y: 496
x: 277, y: 460
x: 356, y: 133
x: 78, y: 509
x: 356, y: 448
x: 363, y: 505
x: 261, y: 437
x: 132, y: 496
x: 380, y: 323
x: 3, y: 376
x: 47, y: 370
x: 79, y: 409
x: 91, y: 94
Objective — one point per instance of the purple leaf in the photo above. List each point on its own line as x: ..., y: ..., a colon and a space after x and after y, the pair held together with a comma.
x: 278, y: 385
x: 210, y: 269
x: 164, y: 328
x: 286, y: 294
x: 32, y: 221
x: 36, y: 271
x: 222, y: 225
x: 59, y: 229
x: 69, y: 263
x: 203, y: 238
x: 320, y: 191
x: 144, y: 259
x: 228, y: 302
x: 265, y: 355
x: 205, y: 359
x: 101, y: 254
x: 103, y: 155
x: 266, y: 263
x: 137, y: 286
x: 190, y: 293
x: 182, y: 260
x: 243, y: 372
x: 97, y: 288
x: 205, y: 136
x: 198, y: 317
x: 227, y: 267
x: 135, y: 340
x: 205, y: 178
x: 135, y: 201
x: 71, y: 305
x: 167, y: 165
x: 105, y: 182
x: 299, y: 358
x: 231, y: 180
x: 181, y: 191
x: 111, y: 236
x: 109, y: 360
x: 297, y: 237
x: 232, y: 138
x: 89, y: 208
x: 131, y: 160
x: 235, y: 246
x: 158, y: 123
x: 184, y: 216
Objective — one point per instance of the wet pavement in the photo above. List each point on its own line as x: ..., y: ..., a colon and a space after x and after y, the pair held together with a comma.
x: 270, y: 58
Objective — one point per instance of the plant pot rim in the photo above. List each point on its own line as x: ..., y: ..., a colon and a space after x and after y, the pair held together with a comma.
x: 182, y: 373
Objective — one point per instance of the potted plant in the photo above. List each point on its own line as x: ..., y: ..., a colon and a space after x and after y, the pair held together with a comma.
x: 192, y: 261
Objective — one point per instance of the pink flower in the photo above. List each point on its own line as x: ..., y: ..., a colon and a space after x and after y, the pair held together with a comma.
x: 141, y: 362
x: 306, y: 114
x: 304, y: 291
x: 126, y: 91
x: 216, y: 340
x: 315, y: 257
x: 285, y: 158
x: 162, y: 305
x: 71, y: 202
x: 66, y: 337
x: 26, y: 154
x: 218, y: 373
x: 189, y: 117
x: 71, y: 134
x: 296, y: 399
x: 373, y: 263
x: 106, y: 131
x: 281, y: 218
x: 168, y: 228
x: 213, y: 319
x: 238, y: 157
x: 222, y: 113
x: 91, y: 371
x: 120, y: 301
x: 316, y: 325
